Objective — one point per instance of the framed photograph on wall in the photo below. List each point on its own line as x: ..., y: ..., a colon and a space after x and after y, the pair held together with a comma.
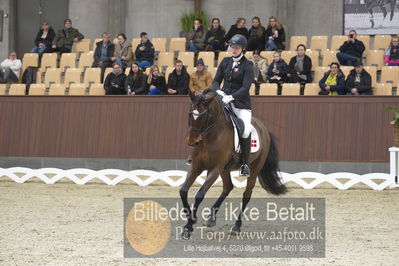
x: 371, y: 16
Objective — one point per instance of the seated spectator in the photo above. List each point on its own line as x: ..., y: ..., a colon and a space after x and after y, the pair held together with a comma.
x: 300, y: 67
x: 196, y: 37
x: 200, y: 79
x: 260, y: 70
x: 351, y: 50
x: 238, y: 28
x: 10, y: 68
x: 65, y: 38
x: 256, y: 39
x: 156, y: 83
x: 44, y: 39
x: 103, y: 54
x: 260, y: 67
x: 136, y: 81
x: 358, y: 81
x: 214, y: 40
x: 114, y: 83
x: 277, y: 72
x: 392, y: 55
x: 178, y: 81
x: 333, y: 81
x: 275, y: 35
x: 145, y: 52
x: 123, y: 51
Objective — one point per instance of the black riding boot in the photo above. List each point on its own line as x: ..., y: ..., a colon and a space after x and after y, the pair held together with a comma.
x: 245, y: 152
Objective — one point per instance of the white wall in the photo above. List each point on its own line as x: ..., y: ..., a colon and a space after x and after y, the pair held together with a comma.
x: 321, y: 17
x: 159, y: 18
x: 228, y: 11
x: 90, y: 17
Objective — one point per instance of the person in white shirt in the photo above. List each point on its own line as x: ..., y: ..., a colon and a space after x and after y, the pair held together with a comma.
x: 9, y: 69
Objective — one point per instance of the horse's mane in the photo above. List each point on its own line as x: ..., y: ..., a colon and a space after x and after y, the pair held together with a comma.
x: 202, y: 97
x: 206, y: 91
x: 216, y: 97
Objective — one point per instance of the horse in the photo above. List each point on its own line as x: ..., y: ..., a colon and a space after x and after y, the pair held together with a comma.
x: 371, y: 4
x: 211, y: 136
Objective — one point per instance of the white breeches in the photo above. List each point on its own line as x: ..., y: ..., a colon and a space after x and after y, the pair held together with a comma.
x: 245, y: 115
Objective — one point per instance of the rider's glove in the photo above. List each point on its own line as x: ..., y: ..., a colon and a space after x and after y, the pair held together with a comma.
x: 227, y: 98
x: 221, y: 93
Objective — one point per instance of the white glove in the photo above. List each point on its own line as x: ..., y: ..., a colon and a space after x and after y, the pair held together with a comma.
x: 221, y: 93
x: 227, y: 98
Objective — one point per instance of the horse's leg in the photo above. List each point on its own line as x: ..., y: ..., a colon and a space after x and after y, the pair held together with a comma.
x: 191, y: 176
x: 384, y: 10
x: 251, y: 181
x: 192, y: 218
x: 371, y: 18
x: 393, y: 4
x: 227, y: 187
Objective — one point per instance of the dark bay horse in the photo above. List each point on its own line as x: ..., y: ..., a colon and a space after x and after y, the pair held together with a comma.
x: 212, y: 137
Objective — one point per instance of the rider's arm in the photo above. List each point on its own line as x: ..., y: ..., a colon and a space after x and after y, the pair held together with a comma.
x: 247, y: 81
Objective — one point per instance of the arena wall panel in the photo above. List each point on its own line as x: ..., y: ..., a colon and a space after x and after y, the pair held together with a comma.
x: 346, y: 129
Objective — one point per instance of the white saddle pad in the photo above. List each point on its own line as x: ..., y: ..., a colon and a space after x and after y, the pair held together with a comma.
x: 255, y: 143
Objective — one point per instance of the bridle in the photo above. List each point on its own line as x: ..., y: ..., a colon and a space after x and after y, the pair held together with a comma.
x: 205, y: 130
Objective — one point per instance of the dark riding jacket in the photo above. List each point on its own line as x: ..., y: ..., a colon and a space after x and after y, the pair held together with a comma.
x: 237, y: 80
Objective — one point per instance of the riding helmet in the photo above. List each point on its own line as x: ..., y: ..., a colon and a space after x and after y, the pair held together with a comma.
x: 238, y: 40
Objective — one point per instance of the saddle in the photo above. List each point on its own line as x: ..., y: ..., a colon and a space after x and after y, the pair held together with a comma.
x: 238, y: 123
x: 238, y: 126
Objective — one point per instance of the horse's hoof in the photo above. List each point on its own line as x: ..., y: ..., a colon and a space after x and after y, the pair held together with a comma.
x: 235, y: 230
x: 186, y: 235
x: 211, y: 222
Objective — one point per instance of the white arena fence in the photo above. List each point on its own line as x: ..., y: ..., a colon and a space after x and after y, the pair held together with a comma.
x: 80, y: 176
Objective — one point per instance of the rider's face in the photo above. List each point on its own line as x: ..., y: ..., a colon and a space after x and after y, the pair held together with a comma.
x: 236, y: 50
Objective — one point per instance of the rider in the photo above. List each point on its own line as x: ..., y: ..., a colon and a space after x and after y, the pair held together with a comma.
x: 238, y: 73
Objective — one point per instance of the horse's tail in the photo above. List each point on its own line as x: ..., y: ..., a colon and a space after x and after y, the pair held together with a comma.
x: 268, y: 176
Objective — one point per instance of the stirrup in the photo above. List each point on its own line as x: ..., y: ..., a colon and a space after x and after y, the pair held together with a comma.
x: 244, y: 170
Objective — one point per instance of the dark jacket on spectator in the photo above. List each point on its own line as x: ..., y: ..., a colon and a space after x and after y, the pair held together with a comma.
x: 48, y: 41
x: 64, y: 38
x: 180, y: 83
x: 282, y: 67
x: 364, y: 87
x: 256, y: 42
x: 234, y: 30
x: 216, y: 35
x: 280, y: 40
x: 97, y: 52
x: 115, y: 84
x: 355, y: 49
x: 137, y: 84
x: 159, y: 83
x: 198, y: 37
x: 339, y: 88
x: 148, y: 53
x: 307, y: 67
